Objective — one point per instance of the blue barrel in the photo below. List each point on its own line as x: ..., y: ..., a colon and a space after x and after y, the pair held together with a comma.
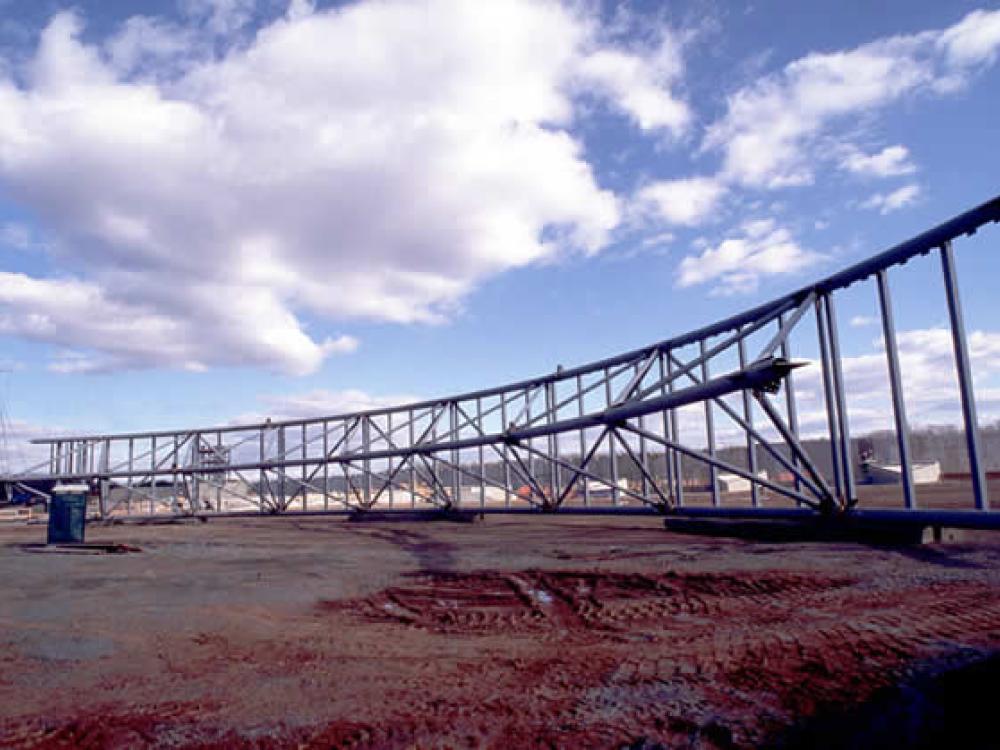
x: 67, y: 517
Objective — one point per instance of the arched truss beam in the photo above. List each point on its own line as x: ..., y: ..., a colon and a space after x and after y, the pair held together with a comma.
x: 608, y: 432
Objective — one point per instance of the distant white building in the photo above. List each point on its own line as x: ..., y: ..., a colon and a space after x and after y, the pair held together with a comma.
x: 736, y: 483
x: 925, y: 472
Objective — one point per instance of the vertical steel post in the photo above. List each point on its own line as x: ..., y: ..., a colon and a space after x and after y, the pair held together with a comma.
x: 456, y: 458
x: 713, y: 475
x: 847, y: 454
x: 176, y: 459
x: 482, y: 457
x: 667, y: 453
x: 790, y: 405
x: 675, y: 430
x: 583, y: 434
x: 366, y: 446
x: 326, y: 465
x: 612, y: 454
x: 152, y: 474
x: 896, y: 388
x: 302, y: 476
x: 413, y: 471
x: 224, y: 474
x: 195, y: 488
x: 388, y: 431
x: 282, y: 484
x: 104, y: 483
x: 262, y: 479
x: 555, y: 467
x: 831, y: 406
x: 128, y: 481
x: 964, y: 368
x: 642, y: 443
x: 505, y: 449
x: 748, y: 416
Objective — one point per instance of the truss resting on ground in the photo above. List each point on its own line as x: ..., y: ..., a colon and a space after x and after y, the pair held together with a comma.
x: 605, y: 436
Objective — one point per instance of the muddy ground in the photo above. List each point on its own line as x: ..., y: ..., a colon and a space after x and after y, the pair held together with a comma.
x: 512, y: 632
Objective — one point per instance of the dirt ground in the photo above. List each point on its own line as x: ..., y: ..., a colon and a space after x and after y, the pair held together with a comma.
x: 511, y: 632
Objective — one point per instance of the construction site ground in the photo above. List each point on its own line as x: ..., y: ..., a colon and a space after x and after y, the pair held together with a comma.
x: 511, y: 632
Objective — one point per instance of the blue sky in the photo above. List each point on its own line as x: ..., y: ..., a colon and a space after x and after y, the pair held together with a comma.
x: 212, y: 209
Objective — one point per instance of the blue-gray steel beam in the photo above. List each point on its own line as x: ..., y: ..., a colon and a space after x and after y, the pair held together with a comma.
x: 826, y: 497
x: 840, y: 393
x: 790, y: 405
x: 713, y: 474
x: 612, y: 454
x: 748, y: 417
x: 896, y: 388
x: 583, y: 433
x: 828, y: 397
x: 719, y: 463
x: 958, y: 519
x: 785, y: 326
x: 667, y: 453
x: 482, y: 457
x: 675, y: 433
x: 964, y: 368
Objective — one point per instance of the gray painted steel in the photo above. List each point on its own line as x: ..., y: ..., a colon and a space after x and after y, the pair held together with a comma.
x: 607, y: 436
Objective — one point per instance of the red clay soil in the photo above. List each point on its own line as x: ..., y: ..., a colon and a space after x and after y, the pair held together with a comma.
x: 509, y: 633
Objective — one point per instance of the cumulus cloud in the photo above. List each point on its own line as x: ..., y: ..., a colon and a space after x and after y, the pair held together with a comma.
x: 640, y: 83
x: 762, y: 248
x: 104, y: 333
x: 972, y: 41
x: 374, y: 161
x: 889, y: 162
x: 930, y: 384
x: 888, y: 202
x: 771, y: 127
x: 684, y: 201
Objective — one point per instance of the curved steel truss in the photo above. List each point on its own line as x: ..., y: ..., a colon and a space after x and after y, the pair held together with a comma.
x: 601, y: 436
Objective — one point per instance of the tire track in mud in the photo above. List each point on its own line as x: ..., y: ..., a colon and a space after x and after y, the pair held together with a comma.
x: 491, y: 602
x: 811, y: 663
x: 769, y: 648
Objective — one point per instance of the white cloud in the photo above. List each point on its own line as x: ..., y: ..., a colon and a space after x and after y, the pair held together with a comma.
x: 104, y: 333
x: 738, y: 263
x: 16, y: 451
x: 221, y: 17
x: 640, y: 84
x: 770, y: 131
x: 320, y: 402
x: 685, y: 201
x: 889, y: 162
x: 374, y: 161
x: 862, y: 321
x: 897, y: 199
x: 972, y: 41
x: 930, y: 384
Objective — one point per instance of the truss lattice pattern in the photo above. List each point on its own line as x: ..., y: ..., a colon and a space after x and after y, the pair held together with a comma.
x: 635, y: 431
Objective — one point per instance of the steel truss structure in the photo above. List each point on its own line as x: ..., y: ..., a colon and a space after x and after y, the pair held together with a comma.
x: 603, y: 437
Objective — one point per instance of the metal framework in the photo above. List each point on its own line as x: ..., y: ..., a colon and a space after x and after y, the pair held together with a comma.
x: 602, y: 437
